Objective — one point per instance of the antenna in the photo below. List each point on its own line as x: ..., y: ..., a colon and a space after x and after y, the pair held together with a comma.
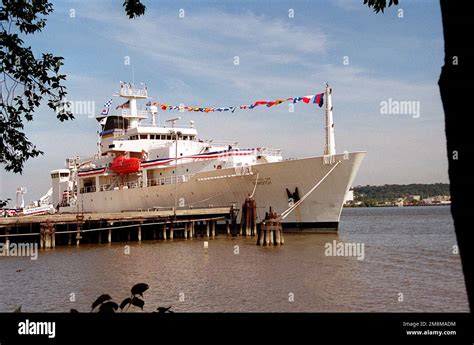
x: 173, y: 121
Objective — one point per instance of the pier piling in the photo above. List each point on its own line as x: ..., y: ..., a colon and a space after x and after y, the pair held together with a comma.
x: 53, y: 236
x: 248, y: 221
x: 271, y: 230
x: 7, y: 239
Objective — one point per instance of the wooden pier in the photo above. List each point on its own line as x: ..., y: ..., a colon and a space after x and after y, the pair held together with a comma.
x: 69, y: 228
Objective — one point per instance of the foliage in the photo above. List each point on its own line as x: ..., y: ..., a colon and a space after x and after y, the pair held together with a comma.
x: 134, y: 8
x: 380, y: 5
x: 27, y: 80
x: 4, y: 203
x: 105, y: 304
x: 370, y: 195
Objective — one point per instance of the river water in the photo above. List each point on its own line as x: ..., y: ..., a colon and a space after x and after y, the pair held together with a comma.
x: 408, y: 266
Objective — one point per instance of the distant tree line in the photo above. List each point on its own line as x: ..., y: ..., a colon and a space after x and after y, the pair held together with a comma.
x: 369, y: 194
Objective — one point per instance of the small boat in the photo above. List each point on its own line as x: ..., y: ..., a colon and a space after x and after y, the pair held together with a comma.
x: 123, y: 165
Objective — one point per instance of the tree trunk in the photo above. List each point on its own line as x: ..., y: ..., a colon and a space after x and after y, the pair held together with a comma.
x: 455, y: 86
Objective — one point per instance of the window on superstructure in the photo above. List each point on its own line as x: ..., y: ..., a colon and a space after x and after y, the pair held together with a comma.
x: 168, y: 137
x: 64, y: 174
x: 143, y: 136
x: 116, y: 122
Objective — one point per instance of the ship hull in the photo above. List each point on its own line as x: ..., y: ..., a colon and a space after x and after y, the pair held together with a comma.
x: 319, y: 212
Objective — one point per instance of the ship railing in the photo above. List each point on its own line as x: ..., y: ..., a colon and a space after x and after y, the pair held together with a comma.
x: 125, y: 185
x: 104, y: 187
x: 88, y: 189
x: 140, y: 113
x: 126, y: 91
x: 168, y: 180
x: 223, y: 143
x: 270, y: 152
x: 139, y: 184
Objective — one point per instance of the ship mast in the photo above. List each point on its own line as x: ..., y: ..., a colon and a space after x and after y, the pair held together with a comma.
x: 132, y: 93
x: 330, y: 145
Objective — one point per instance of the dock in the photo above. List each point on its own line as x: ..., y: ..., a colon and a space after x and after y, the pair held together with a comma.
x: 75, y: 228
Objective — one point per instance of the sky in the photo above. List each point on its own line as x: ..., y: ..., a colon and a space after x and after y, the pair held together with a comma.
x: 185, y: 51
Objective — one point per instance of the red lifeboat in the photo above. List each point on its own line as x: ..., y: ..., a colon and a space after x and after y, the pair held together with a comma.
x: 123, y: 165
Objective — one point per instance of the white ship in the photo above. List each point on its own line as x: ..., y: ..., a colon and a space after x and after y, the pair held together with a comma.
x: 146, y: 166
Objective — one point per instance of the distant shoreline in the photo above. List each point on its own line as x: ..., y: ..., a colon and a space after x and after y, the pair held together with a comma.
x: 394, y: 206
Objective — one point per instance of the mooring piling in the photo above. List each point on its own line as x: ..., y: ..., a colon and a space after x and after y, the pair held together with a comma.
x: 248, y: 222
x: 271, y: 230
x: 139, y: 232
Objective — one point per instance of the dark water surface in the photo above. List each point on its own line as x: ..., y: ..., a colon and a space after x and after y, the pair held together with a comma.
x: 407, y: 250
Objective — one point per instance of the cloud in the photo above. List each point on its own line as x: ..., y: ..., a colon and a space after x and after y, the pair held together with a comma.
x: 209, y: 40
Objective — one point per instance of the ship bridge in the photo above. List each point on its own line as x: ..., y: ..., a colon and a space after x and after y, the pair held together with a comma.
x: 123, y: 130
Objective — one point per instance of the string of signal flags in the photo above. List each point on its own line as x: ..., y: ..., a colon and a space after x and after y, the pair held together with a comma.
x: 311, y: 99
